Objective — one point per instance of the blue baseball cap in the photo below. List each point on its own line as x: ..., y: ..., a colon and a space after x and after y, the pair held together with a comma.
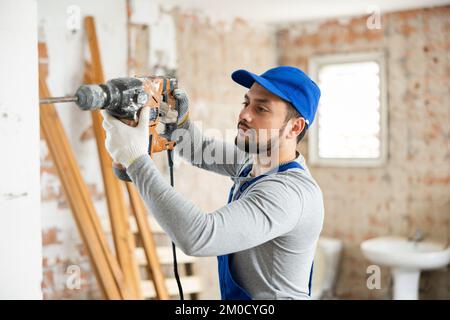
x: 288, y: 83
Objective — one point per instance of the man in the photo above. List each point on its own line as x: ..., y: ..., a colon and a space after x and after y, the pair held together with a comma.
x: 265, y: 237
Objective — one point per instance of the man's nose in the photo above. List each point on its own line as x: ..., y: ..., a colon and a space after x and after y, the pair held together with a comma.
x: 245, y: 115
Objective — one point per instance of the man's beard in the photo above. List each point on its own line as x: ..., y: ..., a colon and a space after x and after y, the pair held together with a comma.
x: 259, y: 147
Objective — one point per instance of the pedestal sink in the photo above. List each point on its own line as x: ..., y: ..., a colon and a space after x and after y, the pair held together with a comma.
x: 406, y: 259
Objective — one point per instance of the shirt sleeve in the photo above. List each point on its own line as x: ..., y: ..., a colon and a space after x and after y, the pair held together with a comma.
x: 208, y: 153
x: 270, y: 208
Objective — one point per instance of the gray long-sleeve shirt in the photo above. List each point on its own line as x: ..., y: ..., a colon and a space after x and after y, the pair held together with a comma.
x: 272, y: 229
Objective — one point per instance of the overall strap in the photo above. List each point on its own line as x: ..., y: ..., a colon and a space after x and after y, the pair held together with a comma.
x: 229, y: 289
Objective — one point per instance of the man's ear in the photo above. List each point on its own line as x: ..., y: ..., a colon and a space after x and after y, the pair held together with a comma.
x: 298, y: 124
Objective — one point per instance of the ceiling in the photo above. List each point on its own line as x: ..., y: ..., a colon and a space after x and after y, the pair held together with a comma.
x: 296, y: 10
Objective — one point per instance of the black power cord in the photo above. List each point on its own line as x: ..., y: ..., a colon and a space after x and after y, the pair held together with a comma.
x: 174, y: 252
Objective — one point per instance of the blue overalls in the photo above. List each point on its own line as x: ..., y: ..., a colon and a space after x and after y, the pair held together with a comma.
x: 229, y: 289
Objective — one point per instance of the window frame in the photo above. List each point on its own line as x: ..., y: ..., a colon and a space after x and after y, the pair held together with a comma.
x: 314, y: 65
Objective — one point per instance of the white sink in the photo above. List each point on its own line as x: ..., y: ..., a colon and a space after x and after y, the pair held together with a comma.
x: 406, y: 259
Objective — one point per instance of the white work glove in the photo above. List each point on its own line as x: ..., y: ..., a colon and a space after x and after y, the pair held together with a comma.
x: 181, y: 114
x: 124, y: 143
x: 182, y: 106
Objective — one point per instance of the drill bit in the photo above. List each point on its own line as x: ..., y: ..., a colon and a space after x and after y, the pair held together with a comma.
x: 51, y: 100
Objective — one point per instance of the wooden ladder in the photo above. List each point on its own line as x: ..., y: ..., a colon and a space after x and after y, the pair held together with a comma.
x: 120, y: 229
x: 118, y: 277
x: 149, y: 257
x: 107, y: 270
x: 192, y: 284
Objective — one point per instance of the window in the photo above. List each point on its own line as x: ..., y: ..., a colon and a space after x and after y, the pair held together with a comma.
x: 350, y: 127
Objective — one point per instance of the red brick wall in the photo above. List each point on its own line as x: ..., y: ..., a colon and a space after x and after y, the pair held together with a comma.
x: 412, y: 190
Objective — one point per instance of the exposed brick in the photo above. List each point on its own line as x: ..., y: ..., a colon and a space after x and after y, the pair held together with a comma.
x: 50, y: 236
x: 410, y: 191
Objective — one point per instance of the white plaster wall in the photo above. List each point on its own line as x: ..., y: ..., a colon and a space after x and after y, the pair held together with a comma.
x: 20, y: 224
x: 67, y: 51
x: 162, y: 36
x: 62, y: 29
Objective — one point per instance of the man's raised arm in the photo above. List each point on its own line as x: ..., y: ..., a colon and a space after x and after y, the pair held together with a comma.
x: 201, y: 151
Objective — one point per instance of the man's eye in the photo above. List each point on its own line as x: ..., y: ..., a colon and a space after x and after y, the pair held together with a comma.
x: 245, y: 103
x: 261, y: 109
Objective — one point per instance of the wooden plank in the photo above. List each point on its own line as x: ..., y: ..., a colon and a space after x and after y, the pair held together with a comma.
x: 165, y: 256
x: 76, y: 191
x: 97, y: 75
x: 164, y: 253
x: 191, y: 284
x: 154, y: 226
x: 123, y: 238
x: 148, y: 243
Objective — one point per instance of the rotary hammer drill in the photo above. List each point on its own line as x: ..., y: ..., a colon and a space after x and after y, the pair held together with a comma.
x: 123, y: 98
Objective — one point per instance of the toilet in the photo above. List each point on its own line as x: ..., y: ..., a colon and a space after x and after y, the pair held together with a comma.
x: 326, y: 265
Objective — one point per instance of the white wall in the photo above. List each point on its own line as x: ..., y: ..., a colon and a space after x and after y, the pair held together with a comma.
x: 67, y: 50
x: 162, y: 37
x: 20, y: 221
